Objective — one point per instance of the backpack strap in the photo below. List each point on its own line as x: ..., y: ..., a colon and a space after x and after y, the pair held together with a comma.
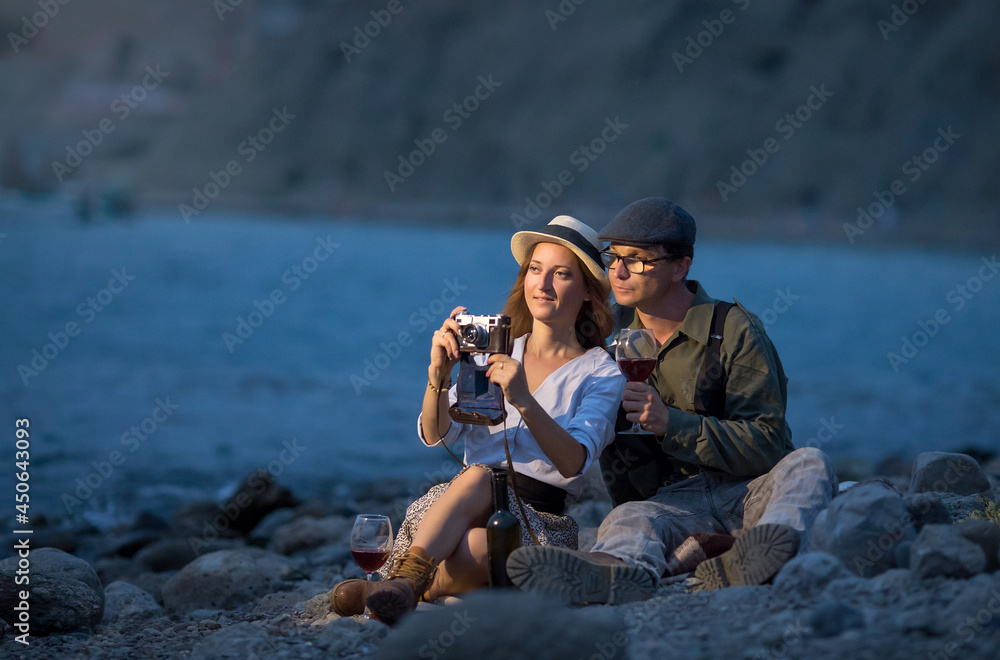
x: 710, y: 388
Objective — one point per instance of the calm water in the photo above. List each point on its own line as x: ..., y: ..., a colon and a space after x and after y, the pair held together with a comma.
x: 173, y: 359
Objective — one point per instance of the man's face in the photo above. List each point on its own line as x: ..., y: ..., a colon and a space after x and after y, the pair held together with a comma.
x: 653, y: 284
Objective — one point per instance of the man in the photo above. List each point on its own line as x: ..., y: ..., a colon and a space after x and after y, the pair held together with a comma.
x: 719, y: 460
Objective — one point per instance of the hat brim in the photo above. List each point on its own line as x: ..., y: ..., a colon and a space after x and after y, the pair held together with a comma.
x: 522, y: 243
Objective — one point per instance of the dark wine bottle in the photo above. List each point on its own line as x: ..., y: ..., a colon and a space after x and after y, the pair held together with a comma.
x: 503, y: 533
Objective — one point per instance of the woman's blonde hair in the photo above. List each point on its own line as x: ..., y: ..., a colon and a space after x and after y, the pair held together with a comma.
x: 594, y: 322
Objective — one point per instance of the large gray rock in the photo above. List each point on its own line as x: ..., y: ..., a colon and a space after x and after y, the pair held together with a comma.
x: 56, y: 604
x: 66, y: 593
x: 807, y: 575
x: 863, y: 527
x: 310, y: 532
x: 529, y: 626
x: 124, y: 601
x: 941, y: 551
x: 226, y: 580
x: 52, y: 562
x: 944, y: 472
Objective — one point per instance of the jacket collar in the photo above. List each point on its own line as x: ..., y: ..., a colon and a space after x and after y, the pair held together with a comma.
x: 698, y: 319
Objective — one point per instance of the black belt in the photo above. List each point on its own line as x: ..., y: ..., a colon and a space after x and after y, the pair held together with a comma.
x: 540, y: 495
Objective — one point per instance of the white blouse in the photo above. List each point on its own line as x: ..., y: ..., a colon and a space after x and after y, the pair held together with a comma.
x: 582, y: 396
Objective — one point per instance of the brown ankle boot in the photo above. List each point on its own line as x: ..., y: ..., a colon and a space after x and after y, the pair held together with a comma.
x: 411, y: 574
x: 348, y: 597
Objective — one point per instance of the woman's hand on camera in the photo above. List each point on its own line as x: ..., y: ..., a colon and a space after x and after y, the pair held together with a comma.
x: 507, y: 372
x: 444, y: 344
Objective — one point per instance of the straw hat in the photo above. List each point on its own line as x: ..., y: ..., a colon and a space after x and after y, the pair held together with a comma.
x: 566, y: 231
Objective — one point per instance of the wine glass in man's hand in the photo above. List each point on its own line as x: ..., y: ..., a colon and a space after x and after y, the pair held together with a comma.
x: 636, y: 350
x: 371, y: 543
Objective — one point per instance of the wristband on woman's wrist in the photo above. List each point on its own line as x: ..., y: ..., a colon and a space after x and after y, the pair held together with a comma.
x: 437, y: 390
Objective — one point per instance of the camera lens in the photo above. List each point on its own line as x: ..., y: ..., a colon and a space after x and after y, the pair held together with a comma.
x: 474, y: 335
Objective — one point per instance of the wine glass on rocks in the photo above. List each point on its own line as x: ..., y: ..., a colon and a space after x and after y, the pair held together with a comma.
x: 636, y: 351
x: 371, y: 543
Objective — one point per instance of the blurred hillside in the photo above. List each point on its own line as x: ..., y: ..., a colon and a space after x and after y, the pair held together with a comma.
x: 474, y: 110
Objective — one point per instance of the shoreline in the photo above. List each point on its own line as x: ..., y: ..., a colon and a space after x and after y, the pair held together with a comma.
x: 781, y: 226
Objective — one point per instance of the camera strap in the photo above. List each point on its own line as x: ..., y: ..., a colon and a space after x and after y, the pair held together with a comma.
x: 459, y: 460
x: 513, y: 486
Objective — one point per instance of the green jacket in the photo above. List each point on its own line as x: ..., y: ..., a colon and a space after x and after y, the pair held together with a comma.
x: 753, y: 435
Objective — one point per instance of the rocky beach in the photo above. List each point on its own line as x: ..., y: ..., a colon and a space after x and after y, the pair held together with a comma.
x: 903, y: 564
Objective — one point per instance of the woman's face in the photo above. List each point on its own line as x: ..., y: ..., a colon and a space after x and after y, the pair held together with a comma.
x: 554, y: 285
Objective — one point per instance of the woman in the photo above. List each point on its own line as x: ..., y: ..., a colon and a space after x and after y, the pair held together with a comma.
x: 561, y: 393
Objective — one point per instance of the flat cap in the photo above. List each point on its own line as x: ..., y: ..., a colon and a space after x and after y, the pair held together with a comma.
x: 650, y: 221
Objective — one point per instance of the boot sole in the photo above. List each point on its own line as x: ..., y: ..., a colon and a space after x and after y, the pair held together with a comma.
x: 388, y: 605
x: 574, y: 579
x: 755, y: 558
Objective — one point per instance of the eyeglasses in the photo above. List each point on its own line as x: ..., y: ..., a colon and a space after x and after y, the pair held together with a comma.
x: 632, y: 264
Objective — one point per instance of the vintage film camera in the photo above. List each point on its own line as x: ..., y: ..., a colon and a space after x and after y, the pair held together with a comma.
x: 479, y: 400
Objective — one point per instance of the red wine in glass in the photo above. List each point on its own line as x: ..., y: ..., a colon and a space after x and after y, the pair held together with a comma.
x: 637, y: 369
x: 636, y: 351
x: 370, y: 560
x: 371, y: 543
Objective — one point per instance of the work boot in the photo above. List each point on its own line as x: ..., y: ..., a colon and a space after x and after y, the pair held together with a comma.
x: 348, y: 597
x: 695, y: 549
x: 579, y: 577
x: 411, y: 574
x: 755, y: 558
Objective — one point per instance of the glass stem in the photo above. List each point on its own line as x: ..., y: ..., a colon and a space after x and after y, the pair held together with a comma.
x: 367, y: 613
